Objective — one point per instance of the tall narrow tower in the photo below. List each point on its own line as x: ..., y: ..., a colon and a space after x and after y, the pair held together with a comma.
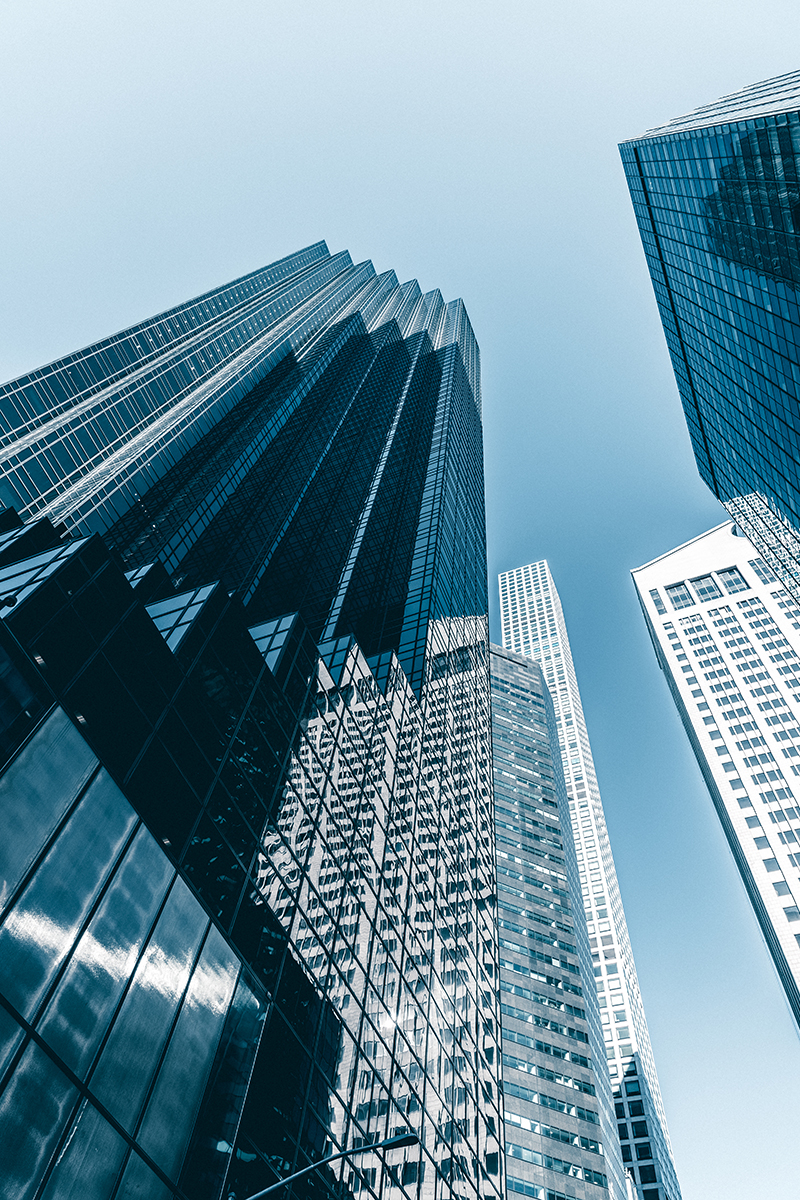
x: 559, y: 1111
x: 533, y: 625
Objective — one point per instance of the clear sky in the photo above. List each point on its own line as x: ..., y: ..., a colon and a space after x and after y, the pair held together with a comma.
x: 153, y: 150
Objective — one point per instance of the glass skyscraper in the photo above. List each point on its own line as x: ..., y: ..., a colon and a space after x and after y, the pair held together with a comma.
x: 726, y: 635
x: 533, y: 625
x: 717, y: 199
x: 247, y: 907
x: 558, y: 1104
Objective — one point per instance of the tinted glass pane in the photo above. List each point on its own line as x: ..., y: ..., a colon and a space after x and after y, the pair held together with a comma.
x: 131, y: 1054
x: 207, y: 1160
x: 88, y: 1167
x: 182, y: 1079
x: 76, y: 1018
x: 33, y: 1111
x: 36, y: 791
x: 38, y: 932
x: 139, y: 1183
x: 10, y: 1037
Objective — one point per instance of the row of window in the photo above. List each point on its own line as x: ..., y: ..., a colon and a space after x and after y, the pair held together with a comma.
x: 705, y: 587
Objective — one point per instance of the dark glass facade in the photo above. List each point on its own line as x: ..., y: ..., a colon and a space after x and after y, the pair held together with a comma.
x: 717, y: 199
x: 561, y: 1138
x: 248, y: 884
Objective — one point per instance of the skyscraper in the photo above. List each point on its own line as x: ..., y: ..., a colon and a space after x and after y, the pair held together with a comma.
x: 717, y: 199
x: 533, y: 625
x: 248, y: 877
x: 726, y: 636
x: 558, y: 1106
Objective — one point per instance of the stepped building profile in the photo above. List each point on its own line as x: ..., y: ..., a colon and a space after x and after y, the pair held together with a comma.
x: 247, y: 914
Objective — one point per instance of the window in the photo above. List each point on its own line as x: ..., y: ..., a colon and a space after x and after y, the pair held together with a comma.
x: 762, y: 570
x: 660, y: 607
x: 639, y: 1129
x: 637, y: 1108
x: 732, y: 579
x: 706, y: 588
x: 647, y: 1174
x: 782, y: 888
x: 623, y: 1131
x: 679, y: 595
x: 626, y: 1154
x: 632, y: 1089
x: 643, y: 1151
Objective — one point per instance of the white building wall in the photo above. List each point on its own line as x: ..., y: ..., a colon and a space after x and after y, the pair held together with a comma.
x: 726, y: 635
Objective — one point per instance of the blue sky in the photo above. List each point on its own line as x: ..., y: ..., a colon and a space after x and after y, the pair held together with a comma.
x: 153, y: 151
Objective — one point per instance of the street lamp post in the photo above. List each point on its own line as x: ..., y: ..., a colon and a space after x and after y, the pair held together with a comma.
x: 392, y: 1143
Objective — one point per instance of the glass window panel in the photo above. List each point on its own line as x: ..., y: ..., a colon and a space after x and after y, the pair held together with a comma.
x: 133, y: 1049
x: 733, y: 580
x: 215, y: 1128
x: 171, y: 605
x: 36, y: 791
x: 706, y: 588
x: 680, y: 596
x: 182, y: 1079
x: 89, y: 1165
x: 39, y: 931
x: 34, y: 1109
x: 11, y: 1035
x: 140, y: 1183
x: 762, y: 570
x: 655, y: 596
x: 76, y: 1018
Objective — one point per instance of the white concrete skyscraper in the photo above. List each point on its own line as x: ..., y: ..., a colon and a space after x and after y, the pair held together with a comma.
x: 726, y: 637
x: 533, y: 625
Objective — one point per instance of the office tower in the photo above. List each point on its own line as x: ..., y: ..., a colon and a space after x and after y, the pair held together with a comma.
x: 717, y: 199
x: 559, y: 1111
x: 247, y: 910
x: 533, y: 625
x: 777, y: 543
x: 725, y: 635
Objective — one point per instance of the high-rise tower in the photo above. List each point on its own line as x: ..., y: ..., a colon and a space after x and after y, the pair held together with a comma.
x: 533, y: 625
x: 246, y: 914
x: 726, y: 636
x: 717, y: 199
x: 558, y: 1104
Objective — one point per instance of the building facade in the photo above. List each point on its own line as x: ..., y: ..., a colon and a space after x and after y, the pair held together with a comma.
x: 533, y: 625
x: 726, y: 635
x: 247, y: 914
x: 717, y: 199
x: 561, y: 1136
